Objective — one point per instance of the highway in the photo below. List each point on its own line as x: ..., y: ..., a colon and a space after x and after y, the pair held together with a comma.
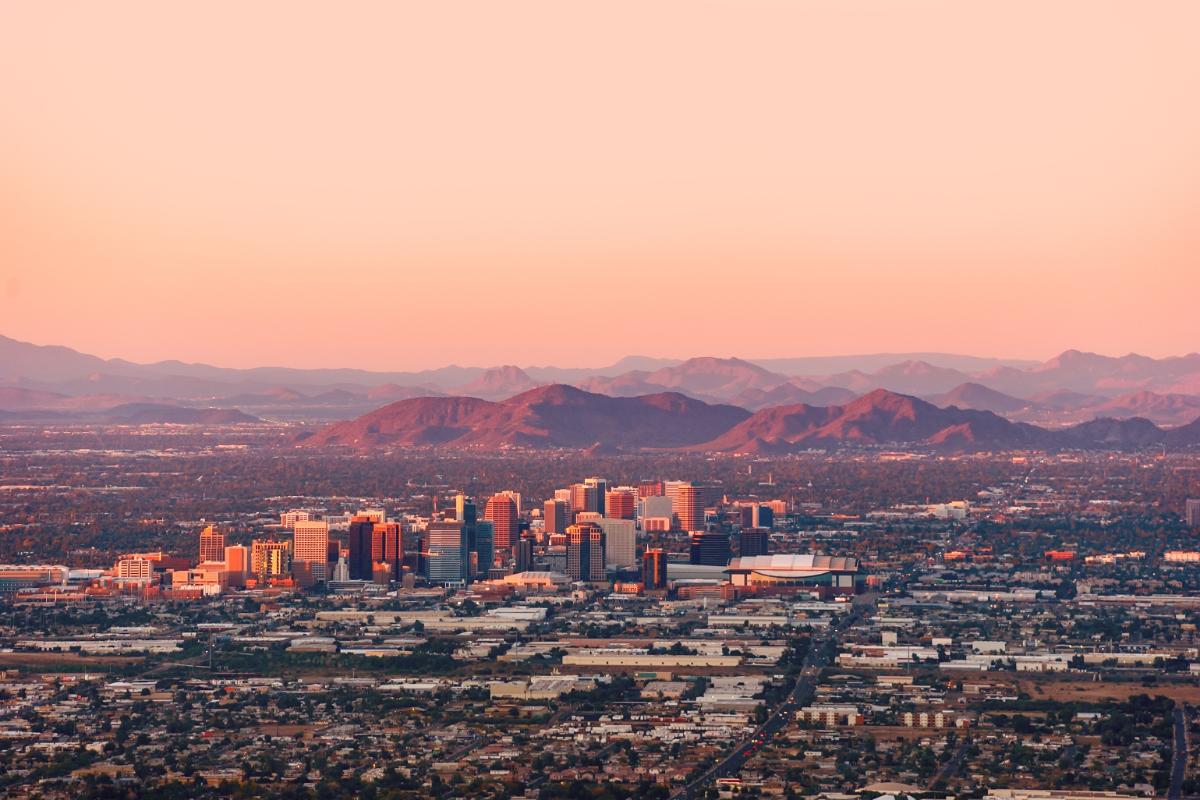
x: 823, y: 643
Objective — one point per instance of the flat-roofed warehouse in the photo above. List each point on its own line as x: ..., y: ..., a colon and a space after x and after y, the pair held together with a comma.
x: 835, y: 574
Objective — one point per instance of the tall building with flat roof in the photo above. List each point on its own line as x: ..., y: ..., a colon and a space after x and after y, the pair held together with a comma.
x: 687, y: 504
x: 501, y: 511
x: 387, y: 547
x: 310, y: 551
x: 654, y: 569
x: 620, y: 542
x: 620, y: 503
x: 361, y: 533
x: 288, y: 519
x: 445, y: 552
x: 1191, y: 513
x: 754, y: 542
x: 601, y: 485
x: 556, y: 514
x: 710, y: 549
x: 270, y: 558
x: 481, y: 547
x: 212, y: 545
x: 585, y: 552
x: 523, y: 553
x: 237, y: 564
x: 585, y: 497
x: 763, y: 516
x: 650, y: 489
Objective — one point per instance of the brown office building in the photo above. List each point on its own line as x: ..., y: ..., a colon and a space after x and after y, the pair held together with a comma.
x: 620, y: 503
x: 557, y: 516
x: 501, y: 511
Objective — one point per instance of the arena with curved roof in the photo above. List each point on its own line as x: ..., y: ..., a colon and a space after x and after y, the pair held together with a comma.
x: 833, y: 573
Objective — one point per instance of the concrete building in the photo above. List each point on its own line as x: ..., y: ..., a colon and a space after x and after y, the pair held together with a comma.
x: 237, y: 564
x: 288, y: 519
x: 620, y: 542
x: 620, y: 503
x: 310, y: 549
x: 585, y: 497
x: 831, y: 716
x: 133, y: 571
x: 270, y: 559
x: 212, y: 545
x: 556, y: 516
x: 1191, y: 513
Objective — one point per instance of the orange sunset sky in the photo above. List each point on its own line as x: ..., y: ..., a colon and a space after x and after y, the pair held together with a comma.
x: 402, y: 185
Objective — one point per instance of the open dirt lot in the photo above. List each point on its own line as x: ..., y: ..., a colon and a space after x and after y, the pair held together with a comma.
x: 1066, y: 691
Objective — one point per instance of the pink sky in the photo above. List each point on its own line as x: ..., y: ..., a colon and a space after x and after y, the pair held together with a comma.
x: 402, y: 185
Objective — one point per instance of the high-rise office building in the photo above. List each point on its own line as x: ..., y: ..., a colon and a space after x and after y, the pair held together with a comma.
x: 754, y: 542
x: 270, y: 559
x: 212, y: 545
x: 516, y: 498
x: 710, y: 549
x: 445, y: 552
x: 310, y: 551
x: 620, y: 542
x: 1191, y: 513
x: 556, y: 514
x: 361, y: 562
x: 687, y: 504
x: 601, y: 485
x: 762, y: 516
x: 523, y: 553
x: 237, y: 564
x: 501, y: 511
x: 650, y: 489
x: 288, y: 519
x: 481, y: 547
x: 585, y: 552
x: 585, y: 497
x: 387, y: 546
x: 654, y: 569
x: 620, y: 503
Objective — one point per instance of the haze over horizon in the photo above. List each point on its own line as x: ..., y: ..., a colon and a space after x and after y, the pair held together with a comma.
x: 408, y: 186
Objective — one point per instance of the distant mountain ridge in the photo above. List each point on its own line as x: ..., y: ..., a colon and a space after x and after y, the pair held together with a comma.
x: 545, y: 417
x: 559, y: 416
x: 1066, y: 390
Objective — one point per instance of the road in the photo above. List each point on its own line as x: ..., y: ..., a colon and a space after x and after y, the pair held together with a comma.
x: 800, y: 696
x: 950, y: 768
x: 1179, y: 755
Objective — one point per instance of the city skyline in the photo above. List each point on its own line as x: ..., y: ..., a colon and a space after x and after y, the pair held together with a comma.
x: 549, y: 400
x: 745, y: 181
